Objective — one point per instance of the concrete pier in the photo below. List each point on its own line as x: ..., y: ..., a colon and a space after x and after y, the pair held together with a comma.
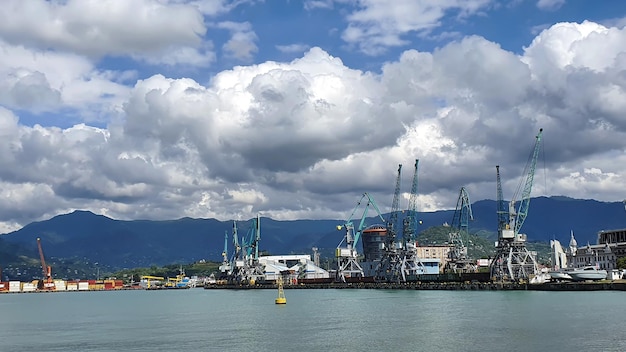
x: 465, y: 286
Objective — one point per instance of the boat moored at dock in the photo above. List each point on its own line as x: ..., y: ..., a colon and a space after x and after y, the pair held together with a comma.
x: 587, y: 273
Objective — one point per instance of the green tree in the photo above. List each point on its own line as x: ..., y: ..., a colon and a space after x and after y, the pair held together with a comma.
x: 621, y: 263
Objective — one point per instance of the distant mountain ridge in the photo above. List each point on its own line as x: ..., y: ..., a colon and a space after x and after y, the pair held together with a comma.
x: 125, y: 244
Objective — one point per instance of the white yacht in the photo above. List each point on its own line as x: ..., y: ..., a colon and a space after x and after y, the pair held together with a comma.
x: 587, y: 273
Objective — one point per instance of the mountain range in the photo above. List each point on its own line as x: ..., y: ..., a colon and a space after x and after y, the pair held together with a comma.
x: 140, y: 243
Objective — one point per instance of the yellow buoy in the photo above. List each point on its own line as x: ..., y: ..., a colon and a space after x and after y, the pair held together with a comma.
x: 281, y: 293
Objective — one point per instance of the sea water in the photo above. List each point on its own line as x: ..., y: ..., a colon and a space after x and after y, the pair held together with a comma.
x: 313, y: 320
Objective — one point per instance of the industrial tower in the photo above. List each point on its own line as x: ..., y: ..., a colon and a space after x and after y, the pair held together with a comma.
x: 458, y: 262
x: 513, y: 261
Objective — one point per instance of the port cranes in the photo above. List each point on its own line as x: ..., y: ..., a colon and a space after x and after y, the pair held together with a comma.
x: 387, y: 269
x: 244, y: 268
x: 253, y: 270
x: 347, y: 258
x: 400, y: 261
x: 513, y: 261
x: 46, y: 283
x: 458, y: 262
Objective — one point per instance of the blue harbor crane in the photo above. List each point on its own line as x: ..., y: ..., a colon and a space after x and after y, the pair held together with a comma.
x: 502, y: 208
x: 458, y: 238
x: 347, y: 258
x: 409, y: 230
x: 400, y: 261
x: 386, y: 269
x: 254, y: 236
x: 244, y: 266
x: 516, y: 219
x: 252, y: 270
x: 513, y: 261
x: 392, y: 223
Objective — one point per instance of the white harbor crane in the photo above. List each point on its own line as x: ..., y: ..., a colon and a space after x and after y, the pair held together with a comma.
x: 225, y: 268
x: 513, y: 261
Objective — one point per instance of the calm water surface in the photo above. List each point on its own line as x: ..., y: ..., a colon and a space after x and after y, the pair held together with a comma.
x: 313, y: 320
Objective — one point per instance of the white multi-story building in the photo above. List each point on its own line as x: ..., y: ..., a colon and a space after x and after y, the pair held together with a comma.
x: 610, y: 246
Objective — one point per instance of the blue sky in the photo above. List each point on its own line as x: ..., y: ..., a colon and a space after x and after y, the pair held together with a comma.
x: 161, y: 109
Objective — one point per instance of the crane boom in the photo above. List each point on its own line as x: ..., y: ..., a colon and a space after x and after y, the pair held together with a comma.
x: 359, y: 231
x: 44, y: 267
x: 463, y: 213
x: 393, y: 216
x: 236, y: 246
x: 257, y: 236
x: 502, y: 210
x: 409, y: 232
x: 225, y: 252
x: 46, y: 283
x: 522, y: 211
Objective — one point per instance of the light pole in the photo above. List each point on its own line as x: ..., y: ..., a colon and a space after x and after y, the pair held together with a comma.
x: 97, y: 272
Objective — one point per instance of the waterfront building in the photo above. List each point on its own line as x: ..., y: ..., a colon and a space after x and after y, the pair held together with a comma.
x: 440, y: 252
x: 610, y: 246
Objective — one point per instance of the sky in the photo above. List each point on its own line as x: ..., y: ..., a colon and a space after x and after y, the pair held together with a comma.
x: 163, y: 109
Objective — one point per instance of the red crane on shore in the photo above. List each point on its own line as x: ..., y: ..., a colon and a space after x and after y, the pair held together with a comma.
x: 46, y: 283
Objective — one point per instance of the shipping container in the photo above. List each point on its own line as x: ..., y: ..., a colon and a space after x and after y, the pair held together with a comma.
x: 15, y: 286
x: 29, y: 287
x: 60, y: 285
x: 83, y: 286
x: 113, y: 284
x: 72, y: 286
